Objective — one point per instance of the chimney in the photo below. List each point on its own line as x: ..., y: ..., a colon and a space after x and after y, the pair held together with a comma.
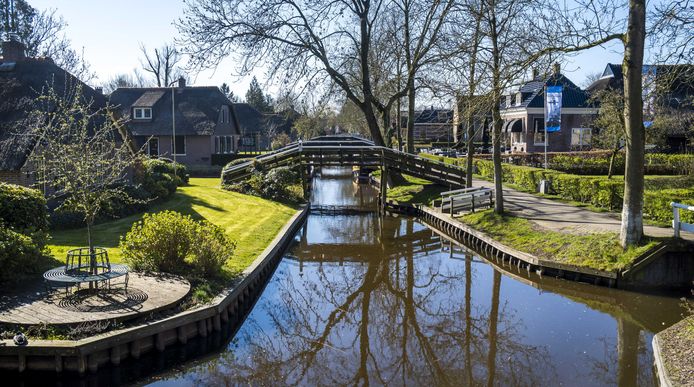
x: 99, y: 90
x: 557, y: 68
x: 13, y: 50
x: 181, y: 82
x: 535, y: 73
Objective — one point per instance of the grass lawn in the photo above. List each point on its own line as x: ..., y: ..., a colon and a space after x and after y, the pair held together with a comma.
x: 598, y: 251
x: 251, y: 221
x: 414, y: 190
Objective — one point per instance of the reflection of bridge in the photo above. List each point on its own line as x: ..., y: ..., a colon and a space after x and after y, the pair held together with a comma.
x: 415, y: 243
x: 350, y: 151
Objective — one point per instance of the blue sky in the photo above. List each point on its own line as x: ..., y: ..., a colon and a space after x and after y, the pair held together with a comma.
x: 110, y: 33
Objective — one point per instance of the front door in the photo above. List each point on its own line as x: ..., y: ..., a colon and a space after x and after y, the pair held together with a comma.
x: 153, y: 148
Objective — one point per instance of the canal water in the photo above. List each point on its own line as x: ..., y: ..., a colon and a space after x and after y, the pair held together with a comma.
x: 364, y: 300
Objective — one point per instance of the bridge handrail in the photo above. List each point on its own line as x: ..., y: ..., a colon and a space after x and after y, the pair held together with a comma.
x: 406, y: 162
x: 459, y: 191
x: 676, y: 223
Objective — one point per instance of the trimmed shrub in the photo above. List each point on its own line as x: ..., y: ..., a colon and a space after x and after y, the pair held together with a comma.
x: 159, y: 242
x: 598, y: 190
x: 23, y: 208
x: 211, y: 249
x: 174, y: 243
x: 19, y: 255
x: 166, y: 166
x: 274, y: 185
x: 238, y: 161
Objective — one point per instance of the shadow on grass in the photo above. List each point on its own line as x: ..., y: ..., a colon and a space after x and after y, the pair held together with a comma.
x: 107, y: 234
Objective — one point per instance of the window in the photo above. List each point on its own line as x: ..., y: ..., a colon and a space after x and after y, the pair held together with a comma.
x: 224, y: 144
x: 225, y: 114
x: 248, y: 140
x: 153, y: 147
x: 539, y: 131
x: 580, y: 136
x: 142, y: 113
x: 180, y: 145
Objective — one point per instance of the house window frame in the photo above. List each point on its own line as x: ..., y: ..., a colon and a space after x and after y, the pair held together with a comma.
x: 225, y: 114
x: 146, y: 113
x: 536, y: 132
x: 224, y: 145
x: 582, y: 137
x: 173, y: 145
x: 149, y: 145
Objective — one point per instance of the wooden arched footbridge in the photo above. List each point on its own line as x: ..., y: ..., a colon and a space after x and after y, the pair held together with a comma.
x: 343, y: 150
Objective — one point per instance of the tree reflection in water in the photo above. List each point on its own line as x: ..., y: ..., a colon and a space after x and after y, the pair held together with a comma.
x: 364, y: 300
x: 392, y: 316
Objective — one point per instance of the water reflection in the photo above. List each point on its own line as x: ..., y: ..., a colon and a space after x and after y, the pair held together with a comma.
x: 363, y: 300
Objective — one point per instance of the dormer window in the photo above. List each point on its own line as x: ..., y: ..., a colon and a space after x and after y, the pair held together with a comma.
x: 225, y: 114
x: 142, y: 113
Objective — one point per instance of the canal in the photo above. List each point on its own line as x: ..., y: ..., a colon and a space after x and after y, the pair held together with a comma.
x: 361, y: 299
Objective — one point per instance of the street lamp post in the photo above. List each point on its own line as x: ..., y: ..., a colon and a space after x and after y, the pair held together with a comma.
x: 173, y: 126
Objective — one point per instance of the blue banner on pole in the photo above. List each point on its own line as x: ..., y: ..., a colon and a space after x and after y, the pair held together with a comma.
x: 553, y: 108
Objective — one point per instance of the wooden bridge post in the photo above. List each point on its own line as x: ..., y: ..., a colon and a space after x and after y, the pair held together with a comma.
x: 384, y: 187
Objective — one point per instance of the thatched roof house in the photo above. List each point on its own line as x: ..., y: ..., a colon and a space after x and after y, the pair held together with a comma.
x: 22, y: 81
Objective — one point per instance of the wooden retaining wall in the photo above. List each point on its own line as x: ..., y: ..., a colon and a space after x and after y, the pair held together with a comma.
x: 112, y: 347
x: 502, y: 254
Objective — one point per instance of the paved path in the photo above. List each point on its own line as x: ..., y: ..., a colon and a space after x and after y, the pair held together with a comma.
x: 31, y: 305
x: 555, y: 215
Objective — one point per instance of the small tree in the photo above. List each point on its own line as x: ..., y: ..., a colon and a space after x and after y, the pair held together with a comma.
x: 610, y: 122
x: 82, y: 156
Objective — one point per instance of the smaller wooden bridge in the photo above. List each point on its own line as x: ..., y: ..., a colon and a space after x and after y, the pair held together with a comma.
x: 349, y: 151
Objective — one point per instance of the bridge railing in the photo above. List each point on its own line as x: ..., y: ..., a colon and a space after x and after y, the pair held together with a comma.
x: 352, y: 153
x: 676, y: 223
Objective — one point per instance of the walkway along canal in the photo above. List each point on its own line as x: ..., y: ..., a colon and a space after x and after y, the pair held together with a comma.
x: 361, y: 299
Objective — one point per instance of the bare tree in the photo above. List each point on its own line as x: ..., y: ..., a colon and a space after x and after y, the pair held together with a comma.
x: 124, y: 80
x: 162, y: 63
x: 82, y: 153
x: 43, y: 35
x: 421, y: 26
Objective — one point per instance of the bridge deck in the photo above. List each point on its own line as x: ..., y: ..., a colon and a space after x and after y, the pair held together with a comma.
x: 351, y: 153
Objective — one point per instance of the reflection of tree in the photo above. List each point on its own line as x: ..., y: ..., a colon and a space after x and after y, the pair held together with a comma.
x: 386, y: 321
x: 626, y: 362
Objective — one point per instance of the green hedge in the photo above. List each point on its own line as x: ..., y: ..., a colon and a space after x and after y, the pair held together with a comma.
x: 19, y: 255
x: 597, y: 190
x: 23, y: 208
x: 598, y: 162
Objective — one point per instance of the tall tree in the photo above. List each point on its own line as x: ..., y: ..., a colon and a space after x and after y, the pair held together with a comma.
x: 257, y: 98
x: 595, y: 23
x: 43, y: 34
x: 162, y: 63
x: 308, y: 45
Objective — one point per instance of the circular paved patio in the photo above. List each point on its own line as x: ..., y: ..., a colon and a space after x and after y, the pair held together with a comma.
x: 31, y: 304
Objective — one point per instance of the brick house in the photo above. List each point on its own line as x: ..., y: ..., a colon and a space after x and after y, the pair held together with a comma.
x: 205, y: 121
x: 523, y: 128
x: 430, y: 125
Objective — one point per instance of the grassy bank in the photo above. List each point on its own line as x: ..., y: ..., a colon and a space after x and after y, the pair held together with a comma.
x: 598, y: 251
x: 251, y: 221
x: 597, y: 192
x: 415, y: 190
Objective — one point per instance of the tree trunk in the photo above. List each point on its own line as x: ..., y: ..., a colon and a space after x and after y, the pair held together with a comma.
x: 632, y: 208
x: 496, y: 116
x: 469, y: 162
x: 613, y: 156
x: 410, y: 114
x: 470, y: 104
